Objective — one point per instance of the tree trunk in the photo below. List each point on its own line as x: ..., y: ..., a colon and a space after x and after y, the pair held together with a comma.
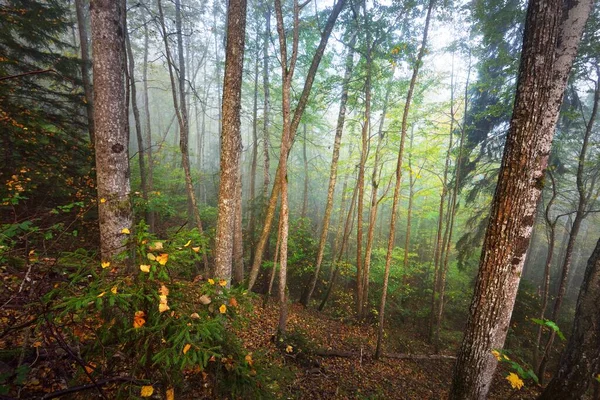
x: 137, y: 122
x: 238, y: 243
x: 254, y: 157
x: 581, y: 359
x: 585, y: 194
x: 85, y: 67
x: 543, y: 75
x: 231, y: 144
x: 339, y: 130
x: 411, y: 195
x: 310, y: 76
x: 149, y: 170
x: 181, y: 113
x: 394, y: 212
x: 551, y: 227
x: 110, y: 118
x: 266, y: 141
x: 305, y: 163
x: 338, y: 258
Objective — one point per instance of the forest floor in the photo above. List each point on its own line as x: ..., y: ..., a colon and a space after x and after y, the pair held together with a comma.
x: 299, y: 372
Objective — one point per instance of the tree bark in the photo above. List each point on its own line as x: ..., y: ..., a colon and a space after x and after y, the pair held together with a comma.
x: 266, y: 141
x: 150, y: 177
x: 111, y: 144
x: 546, y: 59
x: 394, y: 212
x: 231, y: 142
x: 581, y: 359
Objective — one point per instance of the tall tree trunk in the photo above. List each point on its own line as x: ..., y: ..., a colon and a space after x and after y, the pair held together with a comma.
x: 137, y: 122
x: 305, y: 163
x: 394, y: 212
x: 266, y: 141
x: 295, y: 121
x: 375, y: 178
x: 112, y: 133
x: 150, y: 177
x: 411, y: 195
x: 543, y: 75
x: 231, y: 145
x: 254, y: 157
x: 85, y: 67
x: 181, y: 113
x: 238, y: 243
x: 581, y: 359
x: 364, y: 151
x: 219, y: 76
x: 339, y: 130
x: 551, y: 233
x: 338, y: 258
x: 441, y: 289
x: 585, y: 194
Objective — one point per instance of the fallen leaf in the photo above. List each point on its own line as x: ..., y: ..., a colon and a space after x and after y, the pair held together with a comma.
x: 105, y: 264
x: 102, y: 200
x: 188, y: 243
x: 233, y: 302
x: 162, y: 307
x: 163, y: 290
x: 145, y: 268
x: 90, y: 367
x: 101, y: 294
x: 223, y: 309
x: 249, y: 359
x: 195, y: 316
x: 146, y: 391
x: 151, y: 256
x: 114, y: 290
x: 514, y: 380
x: 162, y: 258
x: 186, y: 348
x: 138, y: 319
x: 289, y: 349
x: 222, y: 283
x: 170, y: 394
x: 125, y: 231
x: 205, y: 300
x: 196, y: 249
x: 211, y: 281
x: 156, y: 246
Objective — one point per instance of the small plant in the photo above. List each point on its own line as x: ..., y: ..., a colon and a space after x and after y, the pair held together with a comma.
x: 520, y: 374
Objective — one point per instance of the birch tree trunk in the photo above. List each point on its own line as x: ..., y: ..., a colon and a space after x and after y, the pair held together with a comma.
x: 549, y: 46
x: 231, y: 143
x: 112, y: 134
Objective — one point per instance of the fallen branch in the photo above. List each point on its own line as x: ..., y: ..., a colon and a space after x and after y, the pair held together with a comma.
x: 396, y: 356
x: 81, y: 388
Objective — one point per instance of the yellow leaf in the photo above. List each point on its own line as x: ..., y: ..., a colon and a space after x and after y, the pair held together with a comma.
x: 146, y: 391
x: 162, y: 258
x: 211, y: 281
x: 113, y: 290
x: 105, y: 264
x: 145, y: 268
x: 170, y: 394
x: 289, y: 349
x: 186, y: 348
x: 196, y: 249
x: 102, y: 200
x: 188, y: 243
x: 223, y: 309
x: 223, y: 283
x: 125, y: 231
x: 156, y: 246
x: 101, y: 294
x: 162, y: 307
x: 163, y: 290
x: 37, y: 344
x: 138, y: 319
x: 496, y: 354
x: 514, y: 380
x: 249, y: 359
x: 151, y: 256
